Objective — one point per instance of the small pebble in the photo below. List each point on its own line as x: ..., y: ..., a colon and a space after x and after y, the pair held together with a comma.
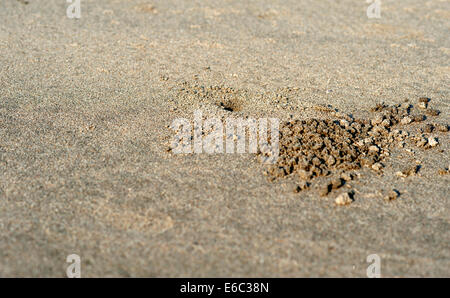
x: 433, y: 142
x: 406, y: 120
x: 344, y: 199
x: 347, y: 177
x: 392, y: 195
x: 337, y: 183
x: 377, y: 166
x: 401, y: 174
x: 331, y: 160
x: 377, y: 119
x: 423, y: 105
x: 422, y: 142
x: 386, y: 123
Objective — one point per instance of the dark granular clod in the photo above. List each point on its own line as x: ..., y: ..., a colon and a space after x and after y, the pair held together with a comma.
x: 320, y: 147
x: 338, y: 147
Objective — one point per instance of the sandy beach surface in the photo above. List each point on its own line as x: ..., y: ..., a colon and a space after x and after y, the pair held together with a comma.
x: 85, y: 109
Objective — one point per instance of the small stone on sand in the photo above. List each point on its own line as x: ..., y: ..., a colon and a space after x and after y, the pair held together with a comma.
x: 392, y: 195
x: 343, y: 199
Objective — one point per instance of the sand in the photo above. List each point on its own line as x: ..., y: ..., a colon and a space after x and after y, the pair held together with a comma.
x: 85, y: 106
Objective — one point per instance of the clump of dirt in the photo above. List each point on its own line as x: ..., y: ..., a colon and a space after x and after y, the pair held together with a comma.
x: 325, y: 147
x: 318, y: 147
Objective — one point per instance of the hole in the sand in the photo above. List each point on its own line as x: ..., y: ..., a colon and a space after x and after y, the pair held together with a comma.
x: 230, y: 106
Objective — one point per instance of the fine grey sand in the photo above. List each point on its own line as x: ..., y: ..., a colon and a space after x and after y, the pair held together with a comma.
x: 85, y: 106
